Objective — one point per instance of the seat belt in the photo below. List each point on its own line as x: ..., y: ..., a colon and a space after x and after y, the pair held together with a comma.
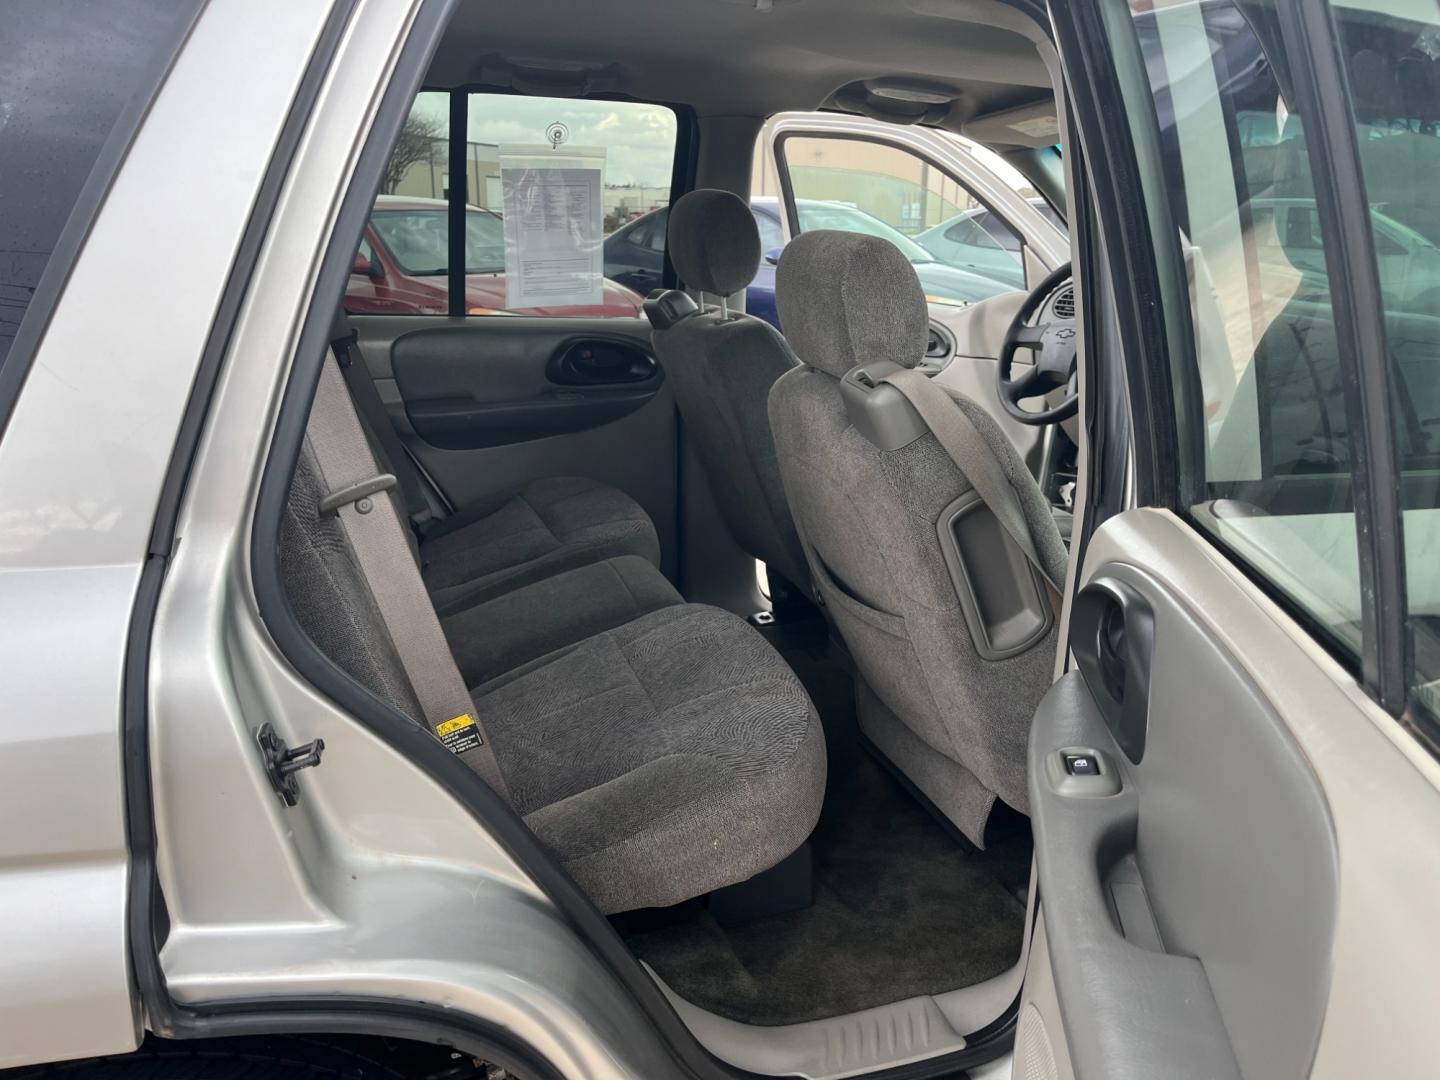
x: 959, y: 437
x: 366, y: 398
x: 376, y: 533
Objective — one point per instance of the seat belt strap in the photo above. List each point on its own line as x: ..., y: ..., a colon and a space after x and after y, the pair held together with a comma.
x: 377, y: 536
x: 366, y: 397
x: 972, y: 454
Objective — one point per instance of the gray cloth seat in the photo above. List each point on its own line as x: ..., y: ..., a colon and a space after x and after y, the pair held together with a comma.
x: 499, y: 634
x: 870, y: 518
x: 663, y: 759
x: 512, y: 540
x: 659, y: 758
x: 546, y: 527
x: 721, y: 366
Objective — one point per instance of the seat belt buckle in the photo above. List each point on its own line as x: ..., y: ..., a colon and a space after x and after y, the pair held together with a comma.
x: 358, y: 493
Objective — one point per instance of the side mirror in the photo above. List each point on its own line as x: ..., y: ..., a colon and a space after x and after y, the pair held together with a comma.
x: 365, y: 267
x: 773, y: 256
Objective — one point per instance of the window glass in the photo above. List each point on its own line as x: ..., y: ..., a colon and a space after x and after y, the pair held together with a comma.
x: 1049, y: 213
x: 983, y: 229
x: 857, y: 185
x: 1391, y: 51
x: 771, y: 236
x: 654, y: 232
x: 549, y: 183
x: 1274, y: 480
x: 639, y: 233
x: 418, y: 238
x: 70, y: 68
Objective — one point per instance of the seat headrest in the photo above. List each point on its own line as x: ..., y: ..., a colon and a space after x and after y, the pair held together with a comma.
x: 713, y: 240
x: 847, y: 298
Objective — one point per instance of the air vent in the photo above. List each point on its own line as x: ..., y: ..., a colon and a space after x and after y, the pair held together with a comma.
x: 1065, y: 303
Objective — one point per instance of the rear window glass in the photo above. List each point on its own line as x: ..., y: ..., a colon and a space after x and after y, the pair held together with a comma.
x: 565, y: 203
x: 70, y: 69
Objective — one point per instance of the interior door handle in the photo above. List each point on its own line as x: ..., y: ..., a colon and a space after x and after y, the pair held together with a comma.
x: 600, y: 363
x: 1112, y: 632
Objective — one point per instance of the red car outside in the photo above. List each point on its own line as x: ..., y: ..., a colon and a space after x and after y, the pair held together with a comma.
x: 400, y: 267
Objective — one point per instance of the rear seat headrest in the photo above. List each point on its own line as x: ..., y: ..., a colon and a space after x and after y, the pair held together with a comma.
x: 713, y: 240
x: 847, y: 298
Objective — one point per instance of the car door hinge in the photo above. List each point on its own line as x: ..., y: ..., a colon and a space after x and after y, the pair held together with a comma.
x: 282, y: 763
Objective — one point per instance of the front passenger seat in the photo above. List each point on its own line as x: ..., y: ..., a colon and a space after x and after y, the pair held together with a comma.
x: 948, y: 623
x: 722, y: 365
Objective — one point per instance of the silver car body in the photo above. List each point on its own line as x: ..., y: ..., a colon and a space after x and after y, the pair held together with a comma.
x: 79, y: 499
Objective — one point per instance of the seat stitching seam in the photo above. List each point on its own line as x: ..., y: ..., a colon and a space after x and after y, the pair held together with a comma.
x: 520, y: 497
x: 506, y: 572
x: 634, y: 602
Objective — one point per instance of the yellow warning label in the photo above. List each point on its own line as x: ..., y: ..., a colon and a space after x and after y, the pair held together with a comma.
x: 460, y: 722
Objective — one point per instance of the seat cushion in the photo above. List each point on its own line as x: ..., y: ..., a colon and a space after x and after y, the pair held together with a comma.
x: 498, y: 635
x: 548, y: 526
x: 661, y: 759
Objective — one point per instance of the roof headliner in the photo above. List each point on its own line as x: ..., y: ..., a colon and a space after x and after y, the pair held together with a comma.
x: 723, y: 57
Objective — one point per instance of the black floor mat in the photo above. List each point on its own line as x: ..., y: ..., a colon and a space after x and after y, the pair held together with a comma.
x: 900, y: 907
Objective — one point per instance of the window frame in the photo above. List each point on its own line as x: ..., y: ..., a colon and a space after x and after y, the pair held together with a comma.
x: 1321, y: 87
x: 787, y: 190
x: 1099, y: 39
x: 682, y: 173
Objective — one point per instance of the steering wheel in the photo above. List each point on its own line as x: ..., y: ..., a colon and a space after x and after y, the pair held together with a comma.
x: 1053, y: 345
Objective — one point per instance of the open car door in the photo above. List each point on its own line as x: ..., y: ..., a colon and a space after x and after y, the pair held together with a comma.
x: 1234, y: 787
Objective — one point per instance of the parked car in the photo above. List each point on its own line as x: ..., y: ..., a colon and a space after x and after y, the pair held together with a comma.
x: 1287, y: 232
x: 635, y: 255
x: 400, y: 265
x: 975, y: 239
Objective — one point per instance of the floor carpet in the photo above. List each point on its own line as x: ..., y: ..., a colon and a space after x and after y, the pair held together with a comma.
x: 901, y: 906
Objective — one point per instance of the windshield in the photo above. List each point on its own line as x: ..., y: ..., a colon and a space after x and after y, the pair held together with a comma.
x: 416, y: 239
x: 823, y: 215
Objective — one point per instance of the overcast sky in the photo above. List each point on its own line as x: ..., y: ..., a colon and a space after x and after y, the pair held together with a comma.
x: 639, y: 140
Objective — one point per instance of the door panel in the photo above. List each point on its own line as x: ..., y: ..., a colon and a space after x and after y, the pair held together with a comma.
x: 1204, y: 889
x: 526, y: 384
x: 1192, y: 918
x: 488, y: 404
x: 1257, y: 895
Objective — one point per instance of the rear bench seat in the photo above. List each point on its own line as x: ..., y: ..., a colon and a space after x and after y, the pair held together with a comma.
x: 547, y: 526
x: 660, y: 749
x: 523, y: 573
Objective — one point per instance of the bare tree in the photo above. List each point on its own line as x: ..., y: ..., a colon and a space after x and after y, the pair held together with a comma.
x: 417, y: 136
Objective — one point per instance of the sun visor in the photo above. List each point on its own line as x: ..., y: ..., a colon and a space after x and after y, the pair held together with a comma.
x: 1034, y: 125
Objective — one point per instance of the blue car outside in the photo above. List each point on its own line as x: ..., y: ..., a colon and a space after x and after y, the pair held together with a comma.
x: 635, y: 254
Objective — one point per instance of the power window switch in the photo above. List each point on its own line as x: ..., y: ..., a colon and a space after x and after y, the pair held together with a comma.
x: 1080, y: 772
